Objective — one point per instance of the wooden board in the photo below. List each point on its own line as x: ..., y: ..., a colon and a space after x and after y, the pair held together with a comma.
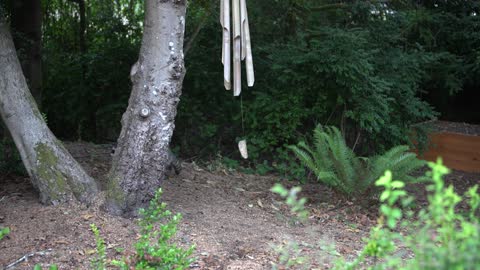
x: 458, y: 151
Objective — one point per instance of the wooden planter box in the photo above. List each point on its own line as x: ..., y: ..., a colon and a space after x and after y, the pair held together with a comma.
x: 458, y: 151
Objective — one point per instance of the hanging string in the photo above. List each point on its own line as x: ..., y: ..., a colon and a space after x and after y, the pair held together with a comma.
x: 241, y: 112
x: 238, y: 39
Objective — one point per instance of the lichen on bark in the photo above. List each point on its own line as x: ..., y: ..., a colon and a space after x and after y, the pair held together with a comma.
x: 52, y: 183
x: 116, y: 197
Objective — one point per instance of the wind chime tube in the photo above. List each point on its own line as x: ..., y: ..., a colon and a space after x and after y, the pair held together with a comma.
x: 248, y: 47
x: 243, y: 6
x: 226, y: 47
x: 237, y: 47
x: 223, y: 26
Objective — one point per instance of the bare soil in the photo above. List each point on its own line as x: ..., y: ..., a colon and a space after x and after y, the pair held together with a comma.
x: 232, y: 218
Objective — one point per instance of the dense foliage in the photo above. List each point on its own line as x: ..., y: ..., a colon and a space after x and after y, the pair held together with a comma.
x: 372, y: 68
x: 86, y: 89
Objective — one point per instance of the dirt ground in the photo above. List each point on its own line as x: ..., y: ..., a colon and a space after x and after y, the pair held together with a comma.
x: 232, y: 218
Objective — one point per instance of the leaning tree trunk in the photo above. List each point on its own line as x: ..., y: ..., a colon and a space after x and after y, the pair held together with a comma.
x: 53, y: 171
x: 142, y: 155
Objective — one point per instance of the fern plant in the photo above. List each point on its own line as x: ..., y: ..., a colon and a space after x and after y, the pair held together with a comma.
x: 337, y: 166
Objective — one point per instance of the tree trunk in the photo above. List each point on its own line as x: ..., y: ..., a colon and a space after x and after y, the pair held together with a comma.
x: 27, y: 23
x: 142, y: 156
x: 83, y: 28
x: 53, y: 171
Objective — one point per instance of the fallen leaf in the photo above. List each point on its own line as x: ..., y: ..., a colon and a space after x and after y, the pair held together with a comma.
x: 259, y: 202
x: 62, y: 242
x: 87, y: 216
x: 274, y: 207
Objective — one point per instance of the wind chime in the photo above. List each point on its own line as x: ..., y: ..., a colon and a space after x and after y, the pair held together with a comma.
x: 242, y: 50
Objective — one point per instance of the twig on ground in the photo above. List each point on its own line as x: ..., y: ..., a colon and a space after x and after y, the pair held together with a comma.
x: 26, y: 257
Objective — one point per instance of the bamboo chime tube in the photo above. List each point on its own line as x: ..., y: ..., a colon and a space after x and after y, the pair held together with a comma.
x: 234, y: 16
x: 225, y: 21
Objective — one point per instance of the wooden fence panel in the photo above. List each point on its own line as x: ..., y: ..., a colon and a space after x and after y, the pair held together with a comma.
x: 458, y: 151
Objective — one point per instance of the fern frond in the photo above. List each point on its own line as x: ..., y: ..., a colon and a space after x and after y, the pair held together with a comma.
x: 337, y: 166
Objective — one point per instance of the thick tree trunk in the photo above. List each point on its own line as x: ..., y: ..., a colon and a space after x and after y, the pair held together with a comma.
x: 53, y: 171
x: 27, y: 22
x: 142, y: 156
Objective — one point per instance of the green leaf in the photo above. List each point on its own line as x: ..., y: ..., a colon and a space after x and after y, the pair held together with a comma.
x: 385, y: 179
x: 397, y: 184
x: 279, y: 189
x: 385, y: 195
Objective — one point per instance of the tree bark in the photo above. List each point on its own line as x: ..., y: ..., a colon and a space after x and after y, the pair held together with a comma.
x: 53, y: 171
x: 27, y: 22
x: 142, y: 156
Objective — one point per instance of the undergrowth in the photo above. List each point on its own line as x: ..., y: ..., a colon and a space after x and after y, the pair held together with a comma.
x: 439, y: 236
x: 4, y: 232
x: 337, y: 166
x: 155, y: 248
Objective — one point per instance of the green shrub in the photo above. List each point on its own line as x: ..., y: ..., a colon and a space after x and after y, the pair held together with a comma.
x: 99, y: 263
x: 439, y: 236
x: 289, y: 252
x: 154, y: 249
x: 296, y: 205
x: 287, y: 166
x: 4, y: 232
x: 337, y: 166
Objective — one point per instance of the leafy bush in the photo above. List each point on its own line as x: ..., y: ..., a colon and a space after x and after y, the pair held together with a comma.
x: 154, y: 249
x: 4, y: 232
x: 439, y: 236
x: 289, y: 253
x: 296, y: 205
x: 99, y: 263
x: 337, y: 166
